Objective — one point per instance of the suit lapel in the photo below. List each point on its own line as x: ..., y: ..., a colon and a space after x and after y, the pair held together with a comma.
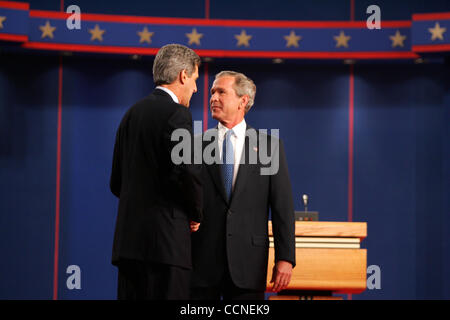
x: 216, y: 174
x: 245, y: 167
x: 215, y: 170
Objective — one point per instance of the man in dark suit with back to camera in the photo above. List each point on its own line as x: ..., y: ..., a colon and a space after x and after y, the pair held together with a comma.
x: 158, y: 200
x: 230, y: 250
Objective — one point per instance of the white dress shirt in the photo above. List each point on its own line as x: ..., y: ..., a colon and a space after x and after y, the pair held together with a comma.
x: 174, y: 97
x: 237, y: 140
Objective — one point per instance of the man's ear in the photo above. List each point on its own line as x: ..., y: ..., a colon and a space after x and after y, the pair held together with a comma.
x: 244, y: 101
x: 183, y: 76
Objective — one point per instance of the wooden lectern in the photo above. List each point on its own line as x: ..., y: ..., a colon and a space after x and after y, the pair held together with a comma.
x: 329, y: 260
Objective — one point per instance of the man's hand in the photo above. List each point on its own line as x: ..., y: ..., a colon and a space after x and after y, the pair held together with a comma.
x: 281, y: 275
x: 194, y: 226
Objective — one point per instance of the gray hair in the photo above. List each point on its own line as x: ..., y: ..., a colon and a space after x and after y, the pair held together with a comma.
x: 170, y: 60
x: 243, y: 85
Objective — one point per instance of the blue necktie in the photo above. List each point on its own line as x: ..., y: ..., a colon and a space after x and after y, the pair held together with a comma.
x: 228, y: 162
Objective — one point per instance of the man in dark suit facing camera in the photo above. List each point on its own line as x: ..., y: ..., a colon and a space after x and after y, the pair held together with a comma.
x: 157, y: 199
x: 230, y: 250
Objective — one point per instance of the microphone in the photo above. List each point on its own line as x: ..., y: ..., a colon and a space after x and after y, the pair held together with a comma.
x: 305, y: 202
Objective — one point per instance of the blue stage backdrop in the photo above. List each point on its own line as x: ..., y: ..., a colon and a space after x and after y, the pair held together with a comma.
x: 401, y: 150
